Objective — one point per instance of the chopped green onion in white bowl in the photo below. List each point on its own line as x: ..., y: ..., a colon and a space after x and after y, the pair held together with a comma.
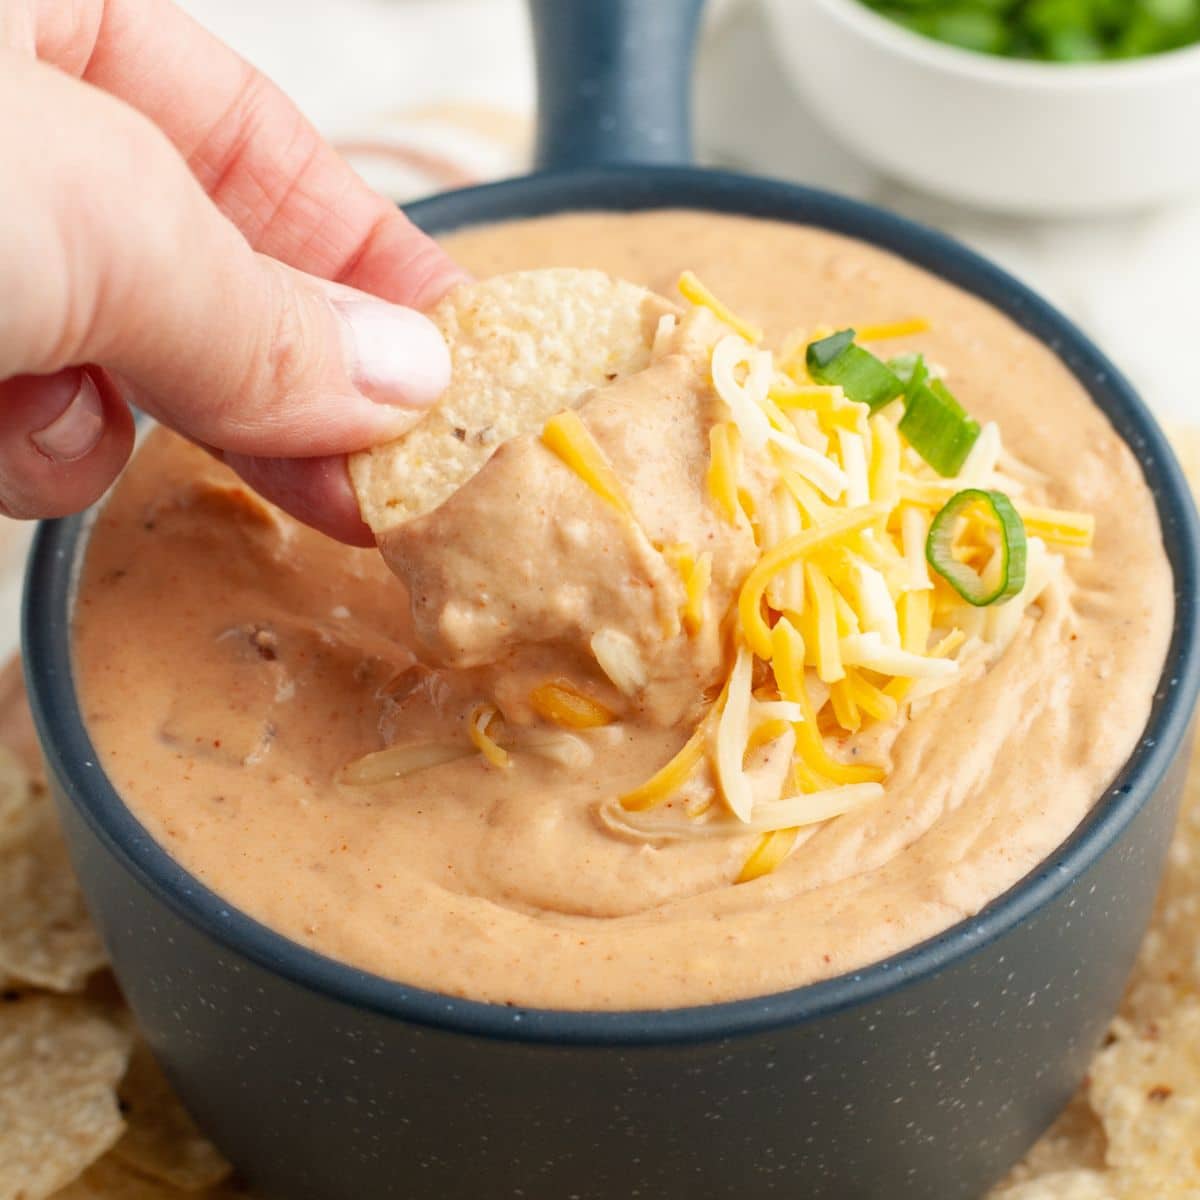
x: 1008, y: 134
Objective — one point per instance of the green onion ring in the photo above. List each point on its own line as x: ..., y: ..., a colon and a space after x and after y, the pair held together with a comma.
x: 939, y: 548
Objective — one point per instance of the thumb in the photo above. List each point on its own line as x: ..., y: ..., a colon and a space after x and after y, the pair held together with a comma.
x: 263, y: 360
x: 123, y: 261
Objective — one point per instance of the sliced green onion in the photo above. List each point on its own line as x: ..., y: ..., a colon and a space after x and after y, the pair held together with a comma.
x: 910, y: 369
x: 937, y: 426
x: 836, y: 361
x: 1060, y: 31
x: 1009, y: 576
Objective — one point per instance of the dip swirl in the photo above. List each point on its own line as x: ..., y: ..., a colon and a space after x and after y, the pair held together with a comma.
x: 231, y: 663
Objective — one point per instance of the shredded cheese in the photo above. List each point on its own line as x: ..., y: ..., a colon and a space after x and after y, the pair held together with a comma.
x: 696, y: 589
x: 845, y: 709
x: 733, y: 732
x: 680, y: 555
x: 794, y: 363
x: 788, y: 665
x: 980, y: 464
x: 847, y: 618
x: 692, y: 290
x: 884, y: 482
x: 819, y: 470
x: 750, y: 511
x: 771, y: 730
x: 874, y: 701
x: 814, y: 509
x: 567, y: 749
x: 478, y: 724
x: 787, y: 711
x: 395, y: 762
x: 743, y: 397
x: 915, y: 613
x: 914, y: 530
x: 829, y: 403
x: 561, y: 703
x: 754, y: 627
x: 807, y: 780
x: 854, y: 463
x: 893, y: 329
x: 567, y: 436
x: 876, y: 609
x: 869, y: 650
x: 724, y: 468
x: 1059, y: 526
x: 822, y: 621
x: 812, y: 808
x: 617, y: 655
x: 771, y: 850
x: 666, y: 326
x: 785, y: 593
x: 667, y: 780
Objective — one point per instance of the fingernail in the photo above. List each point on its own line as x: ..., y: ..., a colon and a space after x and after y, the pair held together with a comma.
x: 76, y: 430
x: 397, y: 355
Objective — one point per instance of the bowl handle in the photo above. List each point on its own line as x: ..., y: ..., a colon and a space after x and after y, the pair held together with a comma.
x: 614, y: 80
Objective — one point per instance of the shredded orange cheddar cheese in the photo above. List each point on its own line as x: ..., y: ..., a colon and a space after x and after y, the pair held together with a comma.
x: 562, y: 704
x: 754, y: 627
x: 723, y: 469
x: 771, y: 850
x: 568, y: 437
x: 788, y: 665
x: 696, y: 589
x: 670, y: 778
x: 694, y: 291
x: 478, y: 725
x: 893, y: 329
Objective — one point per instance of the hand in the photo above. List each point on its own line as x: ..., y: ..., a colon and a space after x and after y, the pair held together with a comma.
x: 169, y: 224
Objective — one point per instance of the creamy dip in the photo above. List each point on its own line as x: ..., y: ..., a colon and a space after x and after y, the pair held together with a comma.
x: 231, y: 662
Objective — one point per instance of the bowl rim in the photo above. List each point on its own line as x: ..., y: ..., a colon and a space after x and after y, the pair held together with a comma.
x: 992, y: 68
x: 73, y: 761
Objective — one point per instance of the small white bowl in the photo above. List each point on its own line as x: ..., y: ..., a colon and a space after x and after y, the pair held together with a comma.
x: 1013, y: 135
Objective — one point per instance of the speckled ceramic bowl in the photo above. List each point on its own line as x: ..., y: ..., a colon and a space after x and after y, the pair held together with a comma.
x: 923, y: 1076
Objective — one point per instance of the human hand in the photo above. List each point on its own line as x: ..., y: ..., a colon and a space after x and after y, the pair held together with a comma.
x: 168, y: 225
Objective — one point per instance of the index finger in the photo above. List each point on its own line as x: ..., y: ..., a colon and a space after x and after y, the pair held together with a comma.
x: 263, y: 163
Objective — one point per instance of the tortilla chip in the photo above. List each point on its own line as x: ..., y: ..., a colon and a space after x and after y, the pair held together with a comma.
x: 1145, y: 1087
x: 1074, y: 1144
x: 59, y: 1066
x: 161, y: 1140
x: 16, y: 809
x: 1168, y: 967
x: 46, y: 936
x: 523, y: 347
x: 1063, y: 1185
x: 111, y: 1179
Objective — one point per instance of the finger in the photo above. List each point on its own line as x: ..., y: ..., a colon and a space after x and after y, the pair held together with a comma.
x: 119, y: 258
x: 63, y: 439
x: 316, y: 490
x: 267, y: 168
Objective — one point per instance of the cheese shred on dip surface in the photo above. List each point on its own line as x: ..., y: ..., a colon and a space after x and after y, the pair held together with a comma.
x: 771, y: 659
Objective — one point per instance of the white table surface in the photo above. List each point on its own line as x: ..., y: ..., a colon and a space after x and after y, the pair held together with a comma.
x: 353, y: 65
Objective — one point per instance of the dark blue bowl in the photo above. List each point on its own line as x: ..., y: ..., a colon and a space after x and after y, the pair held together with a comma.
x: 925, y: 1075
